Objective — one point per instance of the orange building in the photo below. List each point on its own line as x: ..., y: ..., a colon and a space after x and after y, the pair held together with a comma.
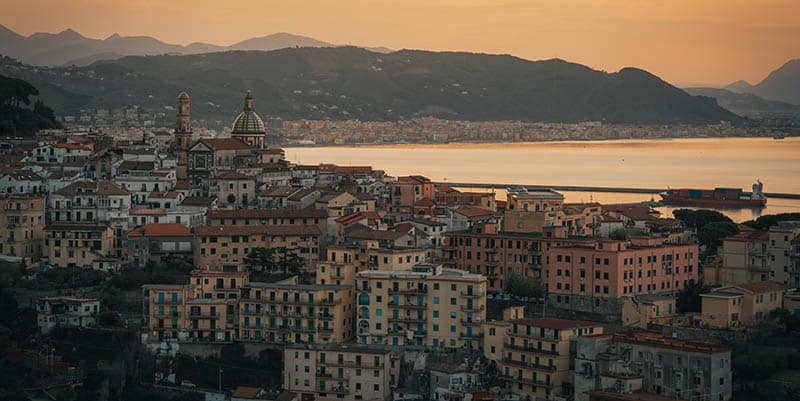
x: 229, y: 245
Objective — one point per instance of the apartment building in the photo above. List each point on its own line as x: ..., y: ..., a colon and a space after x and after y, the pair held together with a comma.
x: 425, y: 306
x: 639, y: 361
x: 537, y: 356
x: 742, y: 304
x: 216, y: 246
x: 542, y: 210
x: 224, y: 305
x: 407, y: 191
x: 452, y: 382
x: 761, y: 255
x: 93, y: 202
x: 81, y: 245
x: 291, y: 313
x: 269, y: 217
x: 340, y: 372
x: 599, y: 274
x: 66, y: 311
x: 497, y: 254
x: 22, y: 226
x: 159, y: 242
x: 236, y: 190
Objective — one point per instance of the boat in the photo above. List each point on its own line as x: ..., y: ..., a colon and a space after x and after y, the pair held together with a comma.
x: 731, y: 197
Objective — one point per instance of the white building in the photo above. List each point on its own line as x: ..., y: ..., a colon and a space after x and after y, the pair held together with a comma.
x: 66, y: 311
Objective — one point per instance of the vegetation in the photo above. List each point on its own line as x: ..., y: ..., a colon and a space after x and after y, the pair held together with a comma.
x: 696, y: 219
x: 767, y: 221
x: 378, y: 87
x: 17, y: 118
x: 711, y: 226
x: 618, y: 234
x: 261, y: 371
x: 274, y: 260
x: 711, y: 234
x: 688, y: 299
x: 523, y: 287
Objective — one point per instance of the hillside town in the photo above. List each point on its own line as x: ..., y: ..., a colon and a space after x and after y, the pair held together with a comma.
x: 186, y: 264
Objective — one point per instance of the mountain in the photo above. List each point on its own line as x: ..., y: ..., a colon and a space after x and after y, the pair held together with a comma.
x: 348, y: 82
x: 71, y: 48
x: 743, y: 103
x: 782, y: 84
x: 18, y: 115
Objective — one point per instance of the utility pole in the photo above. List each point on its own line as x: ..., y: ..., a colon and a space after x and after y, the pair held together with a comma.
x: 220, y: 378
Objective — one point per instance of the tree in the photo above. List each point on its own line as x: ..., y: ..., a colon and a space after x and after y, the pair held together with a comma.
x: 231, y: 198
x: 523, y: 287
x: 261, y: 259
x: 688, y: 299
x: 618, y: 234
x: 711, y: 234
x: 697, y: 219
x: 767, y: 221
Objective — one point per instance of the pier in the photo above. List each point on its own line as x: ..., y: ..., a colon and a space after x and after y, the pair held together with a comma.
x: 652, y: 191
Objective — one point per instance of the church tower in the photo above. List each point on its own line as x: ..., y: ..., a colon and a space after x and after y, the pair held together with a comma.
x: 248, y: 126
x: 183, y: 135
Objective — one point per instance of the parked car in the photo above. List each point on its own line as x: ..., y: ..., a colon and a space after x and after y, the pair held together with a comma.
x: 186, y: 383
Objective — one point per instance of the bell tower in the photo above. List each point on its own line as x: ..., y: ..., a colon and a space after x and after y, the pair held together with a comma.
x: 183, y: 135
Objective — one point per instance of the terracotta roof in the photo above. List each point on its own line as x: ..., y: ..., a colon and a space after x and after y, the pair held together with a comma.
x: 76, y: 227
x: 102, y: 187
x: 634, y: 396
x: 198, y: 201
x: 425, y: 202
x: 299, y: 229
x: 351, y: 218
x: 553, y: 323
x: 380, y: 235
x: 246, y: 392
x: 755, y: 235
x: 474, y: 212
x: 428, y: 222
x: 759, y: 287
x: 146, y: 211
x: 161, y: 230
x: 234, y: 175
x: 300, y: 194
x: 225, y: 143
x: 658, y: 340
x: 267, y: 213
x: 73, y: 146
x: 272, y: 151
x: 164, y: 195
x: 280, y: 190
x: 136, y: 165
x: 183, y: 185
x: 415, y: 179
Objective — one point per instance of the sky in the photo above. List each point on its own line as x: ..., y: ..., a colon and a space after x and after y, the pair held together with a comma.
x: 685, y: 42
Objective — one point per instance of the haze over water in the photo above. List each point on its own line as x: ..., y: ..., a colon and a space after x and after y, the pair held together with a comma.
x: 675, y: 163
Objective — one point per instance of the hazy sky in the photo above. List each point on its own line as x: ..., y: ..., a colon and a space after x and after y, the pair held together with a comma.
x: 683, y: 41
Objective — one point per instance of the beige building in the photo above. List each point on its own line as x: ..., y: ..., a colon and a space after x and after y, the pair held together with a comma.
x: 223, y: 305
x: 236, y: 190
x: 537, y: 356
x: 340, y: 372
x: 639, y: 311
x: 22, y: 226
x: 80, y: 245
x: 216, y: 246
x: 425, y: 306
x: 495, y: 333
x: 742, y: 304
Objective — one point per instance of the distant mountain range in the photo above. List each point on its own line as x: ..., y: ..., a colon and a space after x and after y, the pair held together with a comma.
x: 743, y: 103
x: 353, y: 83
x: 781, y: 85
x: 71, y: 48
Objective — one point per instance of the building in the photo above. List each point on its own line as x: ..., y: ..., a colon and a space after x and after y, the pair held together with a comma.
x: 183, y: 135
x: 66, y: 311
x: 336, y: 372
x: 209, y: 157
x: 248, y: 126
x: 92, y: 202
x: 648, y: 362
x: 537, y: 356
x: 22, y: 226
x: 642, y: 310
x: 425, y: 306
x: 216, y: 246
x: 224, y: 305
x: 159, y: 242
x: 407, y: 191
x: 742, y: 304
x: 81, y: 245
x: 452, y: 382
x: 236, y: 190
x: 599, y: 274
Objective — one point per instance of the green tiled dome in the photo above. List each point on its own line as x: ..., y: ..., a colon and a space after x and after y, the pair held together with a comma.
x: 248, y: 122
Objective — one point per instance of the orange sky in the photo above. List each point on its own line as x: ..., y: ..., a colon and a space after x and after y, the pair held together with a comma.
x: 683, y: 41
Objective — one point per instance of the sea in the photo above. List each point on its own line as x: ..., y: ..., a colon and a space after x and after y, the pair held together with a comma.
x: 658, y: 163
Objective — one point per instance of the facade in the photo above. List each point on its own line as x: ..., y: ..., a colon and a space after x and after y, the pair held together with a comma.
x: 649, y: 362
x: 209, y: 157
x: 598, y: 275
x: 224, y: 305
x: 640, y: 311
x: 81, y: 245
x: 236, y: 190
x: 216, y: 246
x: 451, y: 382
x: 159, y: 242
x: 537, y: 356
x: 92, y: 202
x: 743, y: 304
x: 22, y: 226
x: 426, y: 306
x: 66, y: 311
x: 339, y: 372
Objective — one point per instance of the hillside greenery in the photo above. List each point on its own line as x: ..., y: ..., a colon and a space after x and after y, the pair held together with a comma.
x: 19, y: 116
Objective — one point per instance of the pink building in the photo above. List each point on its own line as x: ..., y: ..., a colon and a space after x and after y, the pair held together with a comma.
x: 406, y: 191
x: 598, y: 275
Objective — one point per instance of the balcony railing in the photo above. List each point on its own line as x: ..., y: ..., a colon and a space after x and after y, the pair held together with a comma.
x: 204, y: 315
x: 473, y: 294
x: 473, y: 308
x: 408, y: 319
x: 409, y: 291
x: 529, y: 365
x: 530, y: 349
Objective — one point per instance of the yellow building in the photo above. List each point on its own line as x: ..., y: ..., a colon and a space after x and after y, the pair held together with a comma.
x: 80, y: 245
x: 236, y: 190
x: 223, y: 305
x: 537, y: 356
x: 22, y: 226
x: 639, y: 311
x: 216, y: 246
x: 340, y: 372
x: 741, y: 304
x: 424, y: 306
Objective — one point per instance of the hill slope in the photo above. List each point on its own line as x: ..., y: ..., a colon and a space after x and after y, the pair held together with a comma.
x: 19, y: 116
x: 781, y: 85
x: 743, y: 103
x: 349, y: 82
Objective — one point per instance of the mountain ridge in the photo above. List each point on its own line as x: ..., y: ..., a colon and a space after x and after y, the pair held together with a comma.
x: 781, y: 84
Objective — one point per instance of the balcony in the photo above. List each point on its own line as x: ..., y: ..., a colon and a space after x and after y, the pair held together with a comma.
x: 473, y: 308
x: 409, y: 291
x: 408, y: 305
x: 329, y: 302
x: 470, y: 336
x: 337, y: 390
x: 325, y: 316
x: 517, y: 379
x: 472, y: 294
x: 408, y: 319
x: 204, y: 315
x: 167, y: 301
x: 324, y: 375
x: 529, y: 365
x: 323, y: 329
x: 337, y: 276
x: 531, y: 349
x: 469, y: 322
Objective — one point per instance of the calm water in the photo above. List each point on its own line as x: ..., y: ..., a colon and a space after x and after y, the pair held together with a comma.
x: 699, y: 163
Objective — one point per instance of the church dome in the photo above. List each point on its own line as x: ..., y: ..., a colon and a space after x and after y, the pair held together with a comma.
x: 248, y: 122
